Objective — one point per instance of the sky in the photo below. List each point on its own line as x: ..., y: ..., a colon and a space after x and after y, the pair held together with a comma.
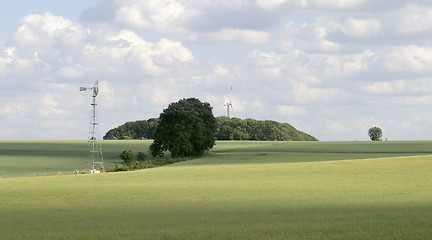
x: 331, y: 68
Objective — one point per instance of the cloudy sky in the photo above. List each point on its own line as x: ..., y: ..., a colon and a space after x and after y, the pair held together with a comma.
x: 332, y: 68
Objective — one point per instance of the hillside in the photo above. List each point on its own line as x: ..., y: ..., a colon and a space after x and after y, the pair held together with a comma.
x: 240, y: 190
x: 255, y: 130
x: 228, y: 129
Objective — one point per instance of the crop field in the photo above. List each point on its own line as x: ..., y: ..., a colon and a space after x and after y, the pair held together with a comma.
x: 24, y: 158
x: 241, y: 190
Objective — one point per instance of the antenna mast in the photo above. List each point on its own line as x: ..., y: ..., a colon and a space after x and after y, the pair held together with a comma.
x: 95, y: 146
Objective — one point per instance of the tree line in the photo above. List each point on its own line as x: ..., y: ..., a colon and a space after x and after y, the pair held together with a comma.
x: 226, y: 129
x: 257, y: 130
x: 141, y: 129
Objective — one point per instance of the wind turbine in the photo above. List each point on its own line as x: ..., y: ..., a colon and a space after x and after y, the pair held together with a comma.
x: 95, y: 148
x: 228, y: 105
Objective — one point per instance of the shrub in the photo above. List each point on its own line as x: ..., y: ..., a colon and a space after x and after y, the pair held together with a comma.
x: 119, y: 167
x: 140, y: 156
x: 136, y: 165
x: 127, y: 157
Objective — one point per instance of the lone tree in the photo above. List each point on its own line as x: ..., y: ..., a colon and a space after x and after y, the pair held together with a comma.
x: 186, y: 128
x: 375, y: 133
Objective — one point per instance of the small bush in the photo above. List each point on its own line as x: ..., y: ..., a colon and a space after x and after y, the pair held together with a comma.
x: 119, y: 167
x: 127, y: 157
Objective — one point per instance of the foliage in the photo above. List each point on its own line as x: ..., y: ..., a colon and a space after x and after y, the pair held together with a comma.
x: 141, y: 156
x: 186, y: 128
x: 127, y: 157
x: 136, y: 165
x: 375, y: 133
x: 227, y: 129
x: 141, y: 129
x: 250, y: 129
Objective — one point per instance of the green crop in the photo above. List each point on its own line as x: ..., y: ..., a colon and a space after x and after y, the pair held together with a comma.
x: 241, y: 190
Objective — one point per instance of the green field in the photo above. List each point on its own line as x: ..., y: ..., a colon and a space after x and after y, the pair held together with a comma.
x: 241, y: 190
x: 24, y: 158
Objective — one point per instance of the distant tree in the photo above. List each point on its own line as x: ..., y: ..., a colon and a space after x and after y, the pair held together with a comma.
x: 375, y: 133
x: 141, y: 129
x: 227, y: 129
x: 255, y: 130
x: 186, y: 128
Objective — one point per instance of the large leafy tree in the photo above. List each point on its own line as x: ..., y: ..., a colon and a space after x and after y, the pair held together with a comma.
x: 375, y: 133
x: 186, y: 128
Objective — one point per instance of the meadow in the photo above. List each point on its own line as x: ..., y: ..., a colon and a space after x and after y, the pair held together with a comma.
x: 241, y: 190
x: 25, y: 158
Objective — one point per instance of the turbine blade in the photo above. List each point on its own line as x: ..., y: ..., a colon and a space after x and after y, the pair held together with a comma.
x: 232, y: 110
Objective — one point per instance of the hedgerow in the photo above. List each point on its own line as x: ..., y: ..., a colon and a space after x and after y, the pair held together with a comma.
x: 130, y: 164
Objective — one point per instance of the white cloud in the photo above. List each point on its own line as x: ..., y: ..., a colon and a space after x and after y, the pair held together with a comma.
x: 166, y: 52
x: 107, y: 95
x: 361, y: 28
x: 310, y: 37
x: 74, y: 71
x: 345, y: 65
x: 407, y: 87
x: 44, y: 30
x: 286, y: 110
x: 49, y: 107
x: 304, y: 94
x: 236, y: 35
x: 283, y: 58
x: 337, y: 128
x: 416, y: 19
x: 154, y: 14
x: 363, y: 123
x: 386, y: 87
x: 221, y: 70
x: 333, y: 4
x: 424, y: 101
x: 13, y: 109
x: 263, y: 59
x: 269, y: 4
x: 409, y: 58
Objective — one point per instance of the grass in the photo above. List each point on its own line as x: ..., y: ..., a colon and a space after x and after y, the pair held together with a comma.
x: 24, y: 158
x: 242, y: 190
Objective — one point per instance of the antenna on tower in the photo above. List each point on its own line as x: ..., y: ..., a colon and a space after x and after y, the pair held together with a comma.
x: 95, y: 146
x: 228, y: 105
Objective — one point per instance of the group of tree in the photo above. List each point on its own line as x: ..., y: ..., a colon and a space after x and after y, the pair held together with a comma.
x: 141, y: 129
x: 188, y: 127
x: 256, y: 130
x: 227, y: 129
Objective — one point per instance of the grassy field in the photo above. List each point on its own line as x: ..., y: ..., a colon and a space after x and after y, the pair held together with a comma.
x: 24, y: 158
x: 242, y: 190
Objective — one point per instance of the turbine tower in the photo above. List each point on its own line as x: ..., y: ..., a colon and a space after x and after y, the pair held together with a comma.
x: 95, y: 146
x: 228, y: 105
